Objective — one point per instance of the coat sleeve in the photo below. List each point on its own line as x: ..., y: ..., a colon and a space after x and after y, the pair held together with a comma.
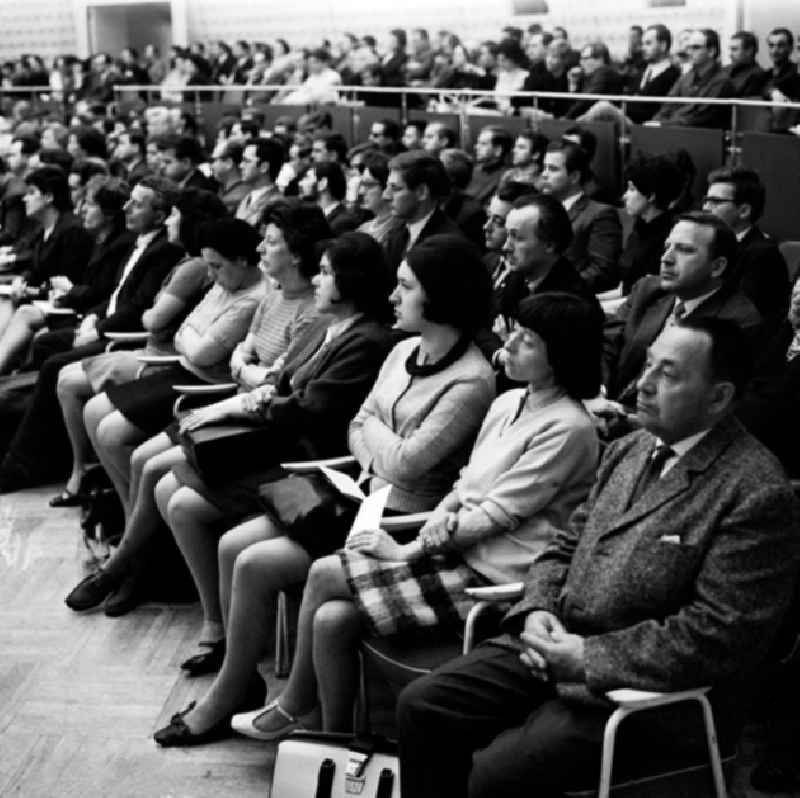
x: 601, y: 267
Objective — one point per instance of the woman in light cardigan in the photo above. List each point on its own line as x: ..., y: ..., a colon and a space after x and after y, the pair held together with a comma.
x: 413, y: 432
x: 532, y: 464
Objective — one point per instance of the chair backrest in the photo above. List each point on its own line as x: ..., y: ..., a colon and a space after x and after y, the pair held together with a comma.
x: 791, y: 254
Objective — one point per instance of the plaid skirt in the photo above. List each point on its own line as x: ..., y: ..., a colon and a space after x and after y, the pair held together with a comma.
x: 398, y: 597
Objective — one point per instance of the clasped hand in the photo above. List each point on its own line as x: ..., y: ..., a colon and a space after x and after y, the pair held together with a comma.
x: 376, y: 543
x: 438, y: 529
x: 552, y: 652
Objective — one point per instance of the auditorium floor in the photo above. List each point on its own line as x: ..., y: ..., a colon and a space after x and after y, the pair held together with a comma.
x: 80, y: 695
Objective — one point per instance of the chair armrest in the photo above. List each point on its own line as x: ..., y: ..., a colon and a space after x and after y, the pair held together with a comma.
x: 401, y: 523
x: 305, y: 466
x: 128, y: 337
x: 203, y: 390
x: 497, y: 593
x: 50, y: 309
x: 158, y: 360
x: 634, y: 700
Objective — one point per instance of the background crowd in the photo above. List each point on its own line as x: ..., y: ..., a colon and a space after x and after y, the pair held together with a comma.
x: 472, y: 324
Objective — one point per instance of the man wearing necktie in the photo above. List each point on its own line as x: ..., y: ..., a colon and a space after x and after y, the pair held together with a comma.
x: 676, y: 572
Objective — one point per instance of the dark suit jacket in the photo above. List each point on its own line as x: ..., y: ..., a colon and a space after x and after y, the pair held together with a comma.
x: 687, y: 586
x: 394, y: 245
x: 596, y: 243
x: 641, y: 318
x: 66, y: 251
x: 484, y: 182
x: 468, y: 214
x: 713, y: 83
x: 342, y: 221
x: 198, y: 180
x: 316, y: 399
x: 141, y: 286
x: 12, y: 211
x: 604, y: 80
x: 763, y: 274
x: 659, y: 86
x: 748, y: 80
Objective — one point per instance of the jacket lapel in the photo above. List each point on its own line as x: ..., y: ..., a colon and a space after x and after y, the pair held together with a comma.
x: 578, y: 208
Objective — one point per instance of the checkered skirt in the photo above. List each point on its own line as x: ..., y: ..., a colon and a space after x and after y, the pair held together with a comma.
x: 398, y: 597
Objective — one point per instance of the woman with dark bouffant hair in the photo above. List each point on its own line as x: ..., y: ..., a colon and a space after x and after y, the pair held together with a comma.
x: 412, y: 433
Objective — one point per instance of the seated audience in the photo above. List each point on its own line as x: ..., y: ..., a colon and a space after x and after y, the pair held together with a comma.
x: 324, y: 183
x: 437, y: 137
x: 372, y: 199
x: 744, y: 73
x: 653, y: 184
x: 527, y: 159
x: 597, y: 233
x: 706, y: 78
x: 595, y: 75
x: 737, y: 196
x: 262, y: 160
x: 532, y: 464
x: 226, y: 168
x: 183, y: 288
x: 180, y: 158
x: 676, y: 572
x: 406, y: 435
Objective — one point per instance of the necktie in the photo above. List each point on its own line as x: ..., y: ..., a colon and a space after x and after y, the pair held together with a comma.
x: 652, y: 470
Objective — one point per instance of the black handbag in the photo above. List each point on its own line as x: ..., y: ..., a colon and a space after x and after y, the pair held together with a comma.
x: 310, y: 511
x: 220, y: 453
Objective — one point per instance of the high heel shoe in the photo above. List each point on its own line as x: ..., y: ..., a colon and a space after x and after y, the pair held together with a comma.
x: 244, y: 723
x: 208, y: 662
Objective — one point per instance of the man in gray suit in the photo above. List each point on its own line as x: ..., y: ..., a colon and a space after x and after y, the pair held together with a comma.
x: 676, y: 572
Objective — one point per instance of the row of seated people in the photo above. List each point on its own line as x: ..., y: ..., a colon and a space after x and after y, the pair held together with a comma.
x: 352, y: 290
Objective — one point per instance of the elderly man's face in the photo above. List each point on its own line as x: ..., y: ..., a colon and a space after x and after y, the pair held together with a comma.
x: 676, y: 394
x: 687, y: 268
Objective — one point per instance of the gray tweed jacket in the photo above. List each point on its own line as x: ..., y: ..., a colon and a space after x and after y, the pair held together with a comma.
x: 687, y: 587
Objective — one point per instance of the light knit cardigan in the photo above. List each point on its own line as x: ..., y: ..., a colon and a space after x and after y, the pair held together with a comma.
x: 415, y: 432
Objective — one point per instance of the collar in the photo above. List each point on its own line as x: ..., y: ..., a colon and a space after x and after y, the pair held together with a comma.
x: 741, y: 236
x: 570, y: 202
x: 691, y: 304
x: 337, y: 328
x: 681, y: 447
x: 415, y: 228
x: 331, y: 208
x: 659, y: 68
x: 143, y: 241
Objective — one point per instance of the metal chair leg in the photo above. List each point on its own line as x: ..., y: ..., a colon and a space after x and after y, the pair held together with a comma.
x: 713, y: 748
x: 282, y: 653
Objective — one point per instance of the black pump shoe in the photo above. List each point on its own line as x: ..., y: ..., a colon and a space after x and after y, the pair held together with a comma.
x: 178, y: 735
x: 208, y: 662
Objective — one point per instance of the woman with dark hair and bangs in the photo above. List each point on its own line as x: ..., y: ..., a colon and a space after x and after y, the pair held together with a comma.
x: 532, y: 464
x: 412, y: 433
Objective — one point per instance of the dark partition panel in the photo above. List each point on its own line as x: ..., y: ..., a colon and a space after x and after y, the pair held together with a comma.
x: 606, y: 163
x: 364, y: 115
x: 777, y: 159
x: 342, y: 118
x: 707, y: 147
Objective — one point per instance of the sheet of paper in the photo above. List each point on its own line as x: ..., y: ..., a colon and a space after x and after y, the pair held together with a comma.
x: 371, y: 511
x: 346, y: 485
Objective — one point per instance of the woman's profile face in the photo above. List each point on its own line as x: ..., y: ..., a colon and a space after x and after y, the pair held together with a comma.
x: 326, y: 295
x: 635, y: 202
x: 92, y: 215
x: 526, y: 358
x: 408, y: 299
x: 522, y: 154
x: 275, y: 254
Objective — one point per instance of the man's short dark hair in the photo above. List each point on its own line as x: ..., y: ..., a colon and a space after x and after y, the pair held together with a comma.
x: 783, y: 32
x: 500, y: 138
x: 572, y: 330
x: 334, y: 142
x: 165, y: 191
x: 419, y: 124
x: 197, y: 206
x: 749, y: 40
x: 420, y: 168
x: 447, y: 133
x: 52, y: 180
x: 185, y: 147
x: 512, y: 190
x: 391, y: 129
x: 731, y: 356
x: 554, y: 227
x: 655, y: 176
x: 747, y: 188
x: 539, y: 143
x: 712, y: 39
x: 723, y: 244
x: 334, y: 175
x: 583, y: 137
x: 663, y: 34
x: 512, y: 50
x: 378, y: 165
x: 321, y: 54
x: 576, y: 159
x: 30, y: 144
x: 56, y: 157
x: 455, y: 280
x: 92, y: 142
x: 458, y: 165
x: 599, y: 50
x: 304, y: 228
x: 233, y: 151
x: 271, y: 152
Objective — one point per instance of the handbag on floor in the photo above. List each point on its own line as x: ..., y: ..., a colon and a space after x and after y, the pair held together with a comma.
x: 329, y: 765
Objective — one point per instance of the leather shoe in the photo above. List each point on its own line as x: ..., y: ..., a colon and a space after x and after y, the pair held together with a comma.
x: 178, y: 735
x: 128, y: 596
x: 208, y: 662
x: 91, y: 591
x: 66, y: 499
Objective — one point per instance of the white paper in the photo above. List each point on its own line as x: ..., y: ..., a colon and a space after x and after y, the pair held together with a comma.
x: 345, y: 484
x: 371, y: 511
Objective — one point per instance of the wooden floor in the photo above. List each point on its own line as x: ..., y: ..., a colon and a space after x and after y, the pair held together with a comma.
x: 80, y: 695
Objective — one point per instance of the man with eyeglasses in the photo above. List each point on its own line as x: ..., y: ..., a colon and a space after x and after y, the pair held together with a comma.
x: 705, y: 78
x: 737, y: 196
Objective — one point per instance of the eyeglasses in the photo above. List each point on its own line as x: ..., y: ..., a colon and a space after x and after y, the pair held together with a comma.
x: 696, y: 47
